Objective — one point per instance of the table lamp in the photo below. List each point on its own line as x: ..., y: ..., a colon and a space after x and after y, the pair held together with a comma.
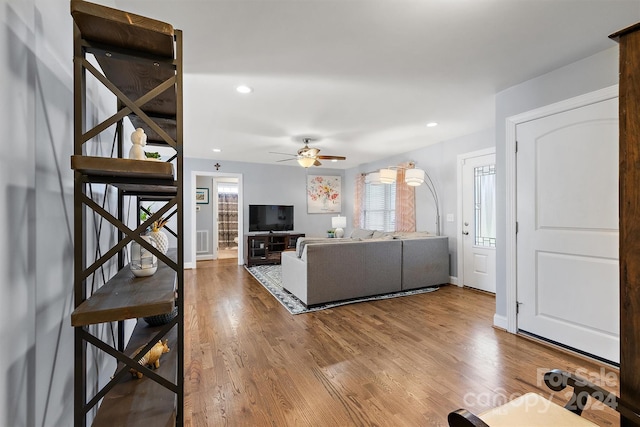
x: 338, y: 223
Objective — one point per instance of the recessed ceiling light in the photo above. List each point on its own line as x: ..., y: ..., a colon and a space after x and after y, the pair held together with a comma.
x: 243, y: 89
x: 334, y: 160
x: 216, y: 150
x: 432, y: 124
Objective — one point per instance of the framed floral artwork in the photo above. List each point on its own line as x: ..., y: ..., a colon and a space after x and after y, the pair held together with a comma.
x: 324, y: 194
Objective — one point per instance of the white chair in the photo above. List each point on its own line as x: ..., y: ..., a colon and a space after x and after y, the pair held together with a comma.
x: 533, y: 410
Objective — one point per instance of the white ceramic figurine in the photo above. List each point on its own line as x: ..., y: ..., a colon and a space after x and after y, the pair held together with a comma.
x: 139, y: 140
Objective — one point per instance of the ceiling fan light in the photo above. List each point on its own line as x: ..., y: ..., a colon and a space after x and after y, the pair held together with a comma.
x: 387, y: 176
x: 306, y: 162
x: 414, y: 177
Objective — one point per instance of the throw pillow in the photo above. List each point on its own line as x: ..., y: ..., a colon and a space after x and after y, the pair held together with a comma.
x: 361, y: 233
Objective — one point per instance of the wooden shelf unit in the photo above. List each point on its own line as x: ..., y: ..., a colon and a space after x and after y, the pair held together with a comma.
x: 125, y: 296
x: 140, y: 62
x: 267, y: 248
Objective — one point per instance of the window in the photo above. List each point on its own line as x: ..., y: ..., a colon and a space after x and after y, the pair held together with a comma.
x: 485, y: 205
x: 380, y: 207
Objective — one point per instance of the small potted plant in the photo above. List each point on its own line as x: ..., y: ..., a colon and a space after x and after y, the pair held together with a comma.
x: 152, y: 156
x: 331, y: 233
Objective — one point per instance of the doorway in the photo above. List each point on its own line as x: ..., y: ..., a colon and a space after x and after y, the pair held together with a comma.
x: 225, y: 218
x: 477, y: 220
x: 217, y: 226
x: 567, y: 210
x: 566, y: 223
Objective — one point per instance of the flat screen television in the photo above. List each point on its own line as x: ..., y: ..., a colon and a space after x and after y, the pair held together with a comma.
x: 270, y: 218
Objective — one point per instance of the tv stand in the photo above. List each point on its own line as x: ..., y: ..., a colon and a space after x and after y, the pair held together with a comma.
x: 267, y: 248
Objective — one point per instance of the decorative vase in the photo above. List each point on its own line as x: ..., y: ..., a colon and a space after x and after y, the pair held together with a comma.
x: 143, y: 262
x: 161, y: 319
x: 161, y: 239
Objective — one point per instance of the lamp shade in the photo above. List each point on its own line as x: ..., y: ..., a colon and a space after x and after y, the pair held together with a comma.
x: 373, y: 178
x: 306, y: 162
x: 414, y: 177
x: 339, y: 221
x: 387, y: 176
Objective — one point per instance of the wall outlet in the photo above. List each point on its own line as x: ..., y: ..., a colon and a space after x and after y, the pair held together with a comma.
x: 449, y: 217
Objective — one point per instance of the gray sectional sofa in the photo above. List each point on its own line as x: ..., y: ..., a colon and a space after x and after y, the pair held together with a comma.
x: 327, y: 270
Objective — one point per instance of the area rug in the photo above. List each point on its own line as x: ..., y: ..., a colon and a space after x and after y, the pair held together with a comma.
x: 269, y: 276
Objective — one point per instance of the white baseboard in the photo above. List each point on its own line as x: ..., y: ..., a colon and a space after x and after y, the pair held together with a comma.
x: 453, y: 280
x: 189, y: 265
x: 205, y: 257
x: 500, y: 321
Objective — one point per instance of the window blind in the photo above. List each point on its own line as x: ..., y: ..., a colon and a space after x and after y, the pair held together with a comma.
x: 380, y: 207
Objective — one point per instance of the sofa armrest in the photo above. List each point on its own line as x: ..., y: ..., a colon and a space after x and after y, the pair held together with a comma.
x: 425, y: 262
x: 294, y: 275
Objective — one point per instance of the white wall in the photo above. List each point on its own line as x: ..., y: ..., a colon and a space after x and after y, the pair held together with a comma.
x: 17, y: 214
x: 584, y: 76
x: 36, y: 214
x: 261, y: 184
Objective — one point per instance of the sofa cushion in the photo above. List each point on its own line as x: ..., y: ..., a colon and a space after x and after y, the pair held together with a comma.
x: 381, y: 235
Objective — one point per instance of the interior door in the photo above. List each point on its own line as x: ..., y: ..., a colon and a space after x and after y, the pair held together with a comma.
x: 479, y: 222
x: 567, y: 241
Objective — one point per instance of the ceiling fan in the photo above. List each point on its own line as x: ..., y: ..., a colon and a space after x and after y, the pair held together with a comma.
x: 308, y: 156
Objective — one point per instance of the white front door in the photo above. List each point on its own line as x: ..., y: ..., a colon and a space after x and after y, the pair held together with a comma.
x: 479, y: 222
x: 567, y: 220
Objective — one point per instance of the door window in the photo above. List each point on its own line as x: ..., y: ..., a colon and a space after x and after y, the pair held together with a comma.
x: 485, y: 205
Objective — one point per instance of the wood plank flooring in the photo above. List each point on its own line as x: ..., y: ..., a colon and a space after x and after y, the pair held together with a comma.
x: 398, y: 362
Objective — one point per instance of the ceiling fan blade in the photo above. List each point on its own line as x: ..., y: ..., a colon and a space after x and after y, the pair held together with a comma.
x: 285, y: 160
x: 317, y: 163
x: 282, y: 154
x: 331, y: 157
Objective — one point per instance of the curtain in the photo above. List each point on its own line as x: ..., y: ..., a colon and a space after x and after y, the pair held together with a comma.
x: 405, y: 203
x: 358, y: 205
x: 227, y: 220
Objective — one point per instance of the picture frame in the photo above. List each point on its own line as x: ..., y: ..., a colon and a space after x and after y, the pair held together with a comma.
x: 202, y: 196
x: 324, y: 194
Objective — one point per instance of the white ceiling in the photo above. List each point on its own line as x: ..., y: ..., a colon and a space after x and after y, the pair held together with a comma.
x: 365, y: 76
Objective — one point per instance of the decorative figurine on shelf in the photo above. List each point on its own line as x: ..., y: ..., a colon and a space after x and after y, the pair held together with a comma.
x: 159, y: 236
x: 152, y: 358
x: 139, y: 140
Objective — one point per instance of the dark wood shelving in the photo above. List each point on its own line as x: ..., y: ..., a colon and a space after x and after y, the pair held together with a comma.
x: 136, y: 55
x: 122, y: 29
x: 139, y: 60
x: 125, y: 296
x: 122, y: 168
x: 268, y: 248
x: 142, y: 401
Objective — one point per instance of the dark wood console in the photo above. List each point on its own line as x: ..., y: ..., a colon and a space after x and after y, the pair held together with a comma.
x: 267, y: 248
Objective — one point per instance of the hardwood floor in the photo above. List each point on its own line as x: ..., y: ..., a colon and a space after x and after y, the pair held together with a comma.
x: 398, y: 362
